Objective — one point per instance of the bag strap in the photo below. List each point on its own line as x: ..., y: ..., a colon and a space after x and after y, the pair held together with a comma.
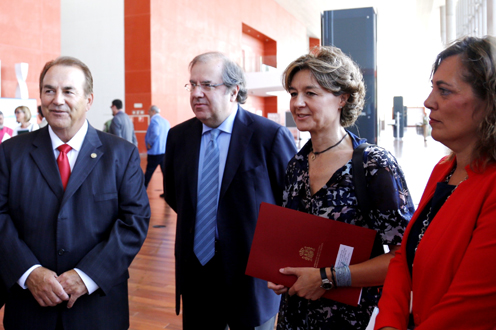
x: 359, y: 179
x: 361, y: 193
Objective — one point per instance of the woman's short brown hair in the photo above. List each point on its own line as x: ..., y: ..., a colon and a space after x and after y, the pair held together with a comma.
x: 336, y: 73
x: 26, y: 111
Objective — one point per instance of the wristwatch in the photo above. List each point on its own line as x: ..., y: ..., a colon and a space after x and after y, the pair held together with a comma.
x: 326, y: 283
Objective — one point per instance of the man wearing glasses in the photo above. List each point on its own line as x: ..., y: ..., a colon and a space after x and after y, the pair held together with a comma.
x: 219, y: 167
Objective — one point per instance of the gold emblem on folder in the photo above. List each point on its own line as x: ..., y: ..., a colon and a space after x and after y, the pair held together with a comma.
x: 307, y: 253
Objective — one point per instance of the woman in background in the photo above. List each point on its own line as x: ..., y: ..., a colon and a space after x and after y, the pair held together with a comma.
x: 23, y: 117
x: 327, y: 95
x: 443, y: 277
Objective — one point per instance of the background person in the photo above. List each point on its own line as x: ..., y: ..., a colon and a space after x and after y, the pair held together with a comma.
x: 246, y: 156
x: 444, y: 272
x: 23, y: 117
x: 327, y: 94
x: 121, y: 124
x: 155, y: 139
x: 73, y: 213
x: 106, y: 126
x: 5, y: 132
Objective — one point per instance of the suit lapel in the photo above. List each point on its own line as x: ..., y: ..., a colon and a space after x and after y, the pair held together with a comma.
x: 240, y: 139
x: 192, y: 142
x: 88, y: 157
x: 44, y: 158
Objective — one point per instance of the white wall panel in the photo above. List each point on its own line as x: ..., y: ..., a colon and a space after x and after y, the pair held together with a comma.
x: 93, y: 31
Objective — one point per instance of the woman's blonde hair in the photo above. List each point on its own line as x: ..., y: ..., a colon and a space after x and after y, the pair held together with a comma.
x: 25, y: 110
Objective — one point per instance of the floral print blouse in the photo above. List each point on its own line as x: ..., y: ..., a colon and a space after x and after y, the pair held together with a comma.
x: 391, y: 209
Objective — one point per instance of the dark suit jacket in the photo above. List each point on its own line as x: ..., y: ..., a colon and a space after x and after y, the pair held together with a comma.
x: 256, y: 162
x: 97, y: 225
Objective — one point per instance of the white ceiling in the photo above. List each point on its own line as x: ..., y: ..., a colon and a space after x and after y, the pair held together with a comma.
x: 306, y: 11
x: 309, y: 11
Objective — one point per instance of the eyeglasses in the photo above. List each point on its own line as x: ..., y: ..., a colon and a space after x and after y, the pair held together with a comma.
x: 205, y: 87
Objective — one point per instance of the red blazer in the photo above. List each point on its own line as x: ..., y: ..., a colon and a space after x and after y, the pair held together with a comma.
x: 454, y: 273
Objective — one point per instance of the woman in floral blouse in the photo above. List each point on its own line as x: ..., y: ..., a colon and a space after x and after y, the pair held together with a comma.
x: 327, y: 94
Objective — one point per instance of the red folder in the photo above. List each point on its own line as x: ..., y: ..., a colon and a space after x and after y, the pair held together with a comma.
x: 288, y: 238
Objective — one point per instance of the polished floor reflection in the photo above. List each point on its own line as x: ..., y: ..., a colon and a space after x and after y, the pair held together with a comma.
x: 151, y: 285
x: 416, y: 157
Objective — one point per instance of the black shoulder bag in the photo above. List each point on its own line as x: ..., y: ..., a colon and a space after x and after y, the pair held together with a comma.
x: 361, y: 194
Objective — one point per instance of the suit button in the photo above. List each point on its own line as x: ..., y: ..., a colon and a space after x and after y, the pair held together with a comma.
x: 61, y: 252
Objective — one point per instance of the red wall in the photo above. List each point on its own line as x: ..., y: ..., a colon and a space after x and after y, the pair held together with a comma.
x: 180, y: 30
x: 313, y: 42
x: 253, y: 52
x: 137, y: 62
x: 270, y: 105
x: 30, y: 33
x: 163, y: 36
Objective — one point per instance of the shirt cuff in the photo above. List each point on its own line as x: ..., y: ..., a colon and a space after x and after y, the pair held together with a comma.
x: 22, y: 281
x: 91, y: 286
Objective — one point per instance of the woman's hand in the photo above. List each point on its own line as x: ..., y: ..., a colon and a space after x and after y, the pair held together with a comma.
x: 278, y: 288
x: 308, y: 283
x: 388, y: 328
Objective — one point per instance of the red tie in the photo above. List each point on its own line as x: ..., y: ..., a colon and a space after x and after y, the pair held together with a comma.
x: 63, y: 162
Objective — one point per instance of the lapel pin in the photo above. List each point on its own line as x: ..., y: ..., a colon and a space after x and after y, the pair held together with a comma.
x: 93, y: 155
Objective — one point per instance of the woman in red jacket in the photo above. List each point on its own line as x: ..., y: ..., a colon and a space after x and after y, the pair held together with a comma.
x: 443, y: 276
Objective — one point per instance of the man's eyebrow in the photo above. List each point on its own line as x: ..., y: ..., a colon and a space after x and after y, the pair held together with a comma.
x: 65, y: 88
x: 202, y: 82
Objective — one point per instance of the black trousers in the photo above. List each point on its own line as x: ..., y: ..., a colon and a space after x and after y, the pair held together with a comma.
x: 152, y: 162
x: 204, y: 298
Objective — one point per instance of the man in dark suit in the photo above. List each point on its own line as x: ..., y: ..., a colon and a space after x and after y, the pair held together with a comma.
x: 121, y: 125
x: 251, y: 154
x: 73, y: 213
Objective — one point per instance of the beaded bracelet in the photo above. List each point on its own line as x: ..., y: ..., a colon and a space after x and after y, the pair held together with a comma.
x: 343, y: 276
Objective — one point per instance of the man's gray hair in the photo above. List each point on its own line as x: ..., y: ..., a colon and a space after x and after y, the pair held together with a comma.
x: 232, y: 74
x: 155, y: 109
x: 1, y: 113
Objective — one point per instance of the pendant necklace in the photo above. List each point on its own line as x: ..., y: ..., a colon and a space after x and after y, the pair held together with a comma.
x: 427, y: 220
x: 316, y: 153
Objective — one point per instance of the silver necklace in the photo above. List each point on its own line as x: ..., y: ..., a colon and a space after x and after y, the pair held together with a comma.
x: 427, y: 220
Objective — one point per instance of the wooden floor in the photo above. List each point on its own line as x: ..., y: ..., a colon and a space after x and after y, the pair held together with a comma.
x: 151, y: 283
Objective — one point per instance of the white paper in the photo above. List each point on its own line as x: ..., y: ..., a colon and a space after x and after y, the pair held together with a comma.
x: 343, y: 259
x: 344, y: 255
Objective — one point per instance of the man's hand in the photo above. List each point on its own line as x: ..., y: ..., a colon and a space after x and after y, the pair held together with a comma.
x: 45, y: 288
x: 278, y: 288
x: 308, y: 283
x: 73, y: 285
